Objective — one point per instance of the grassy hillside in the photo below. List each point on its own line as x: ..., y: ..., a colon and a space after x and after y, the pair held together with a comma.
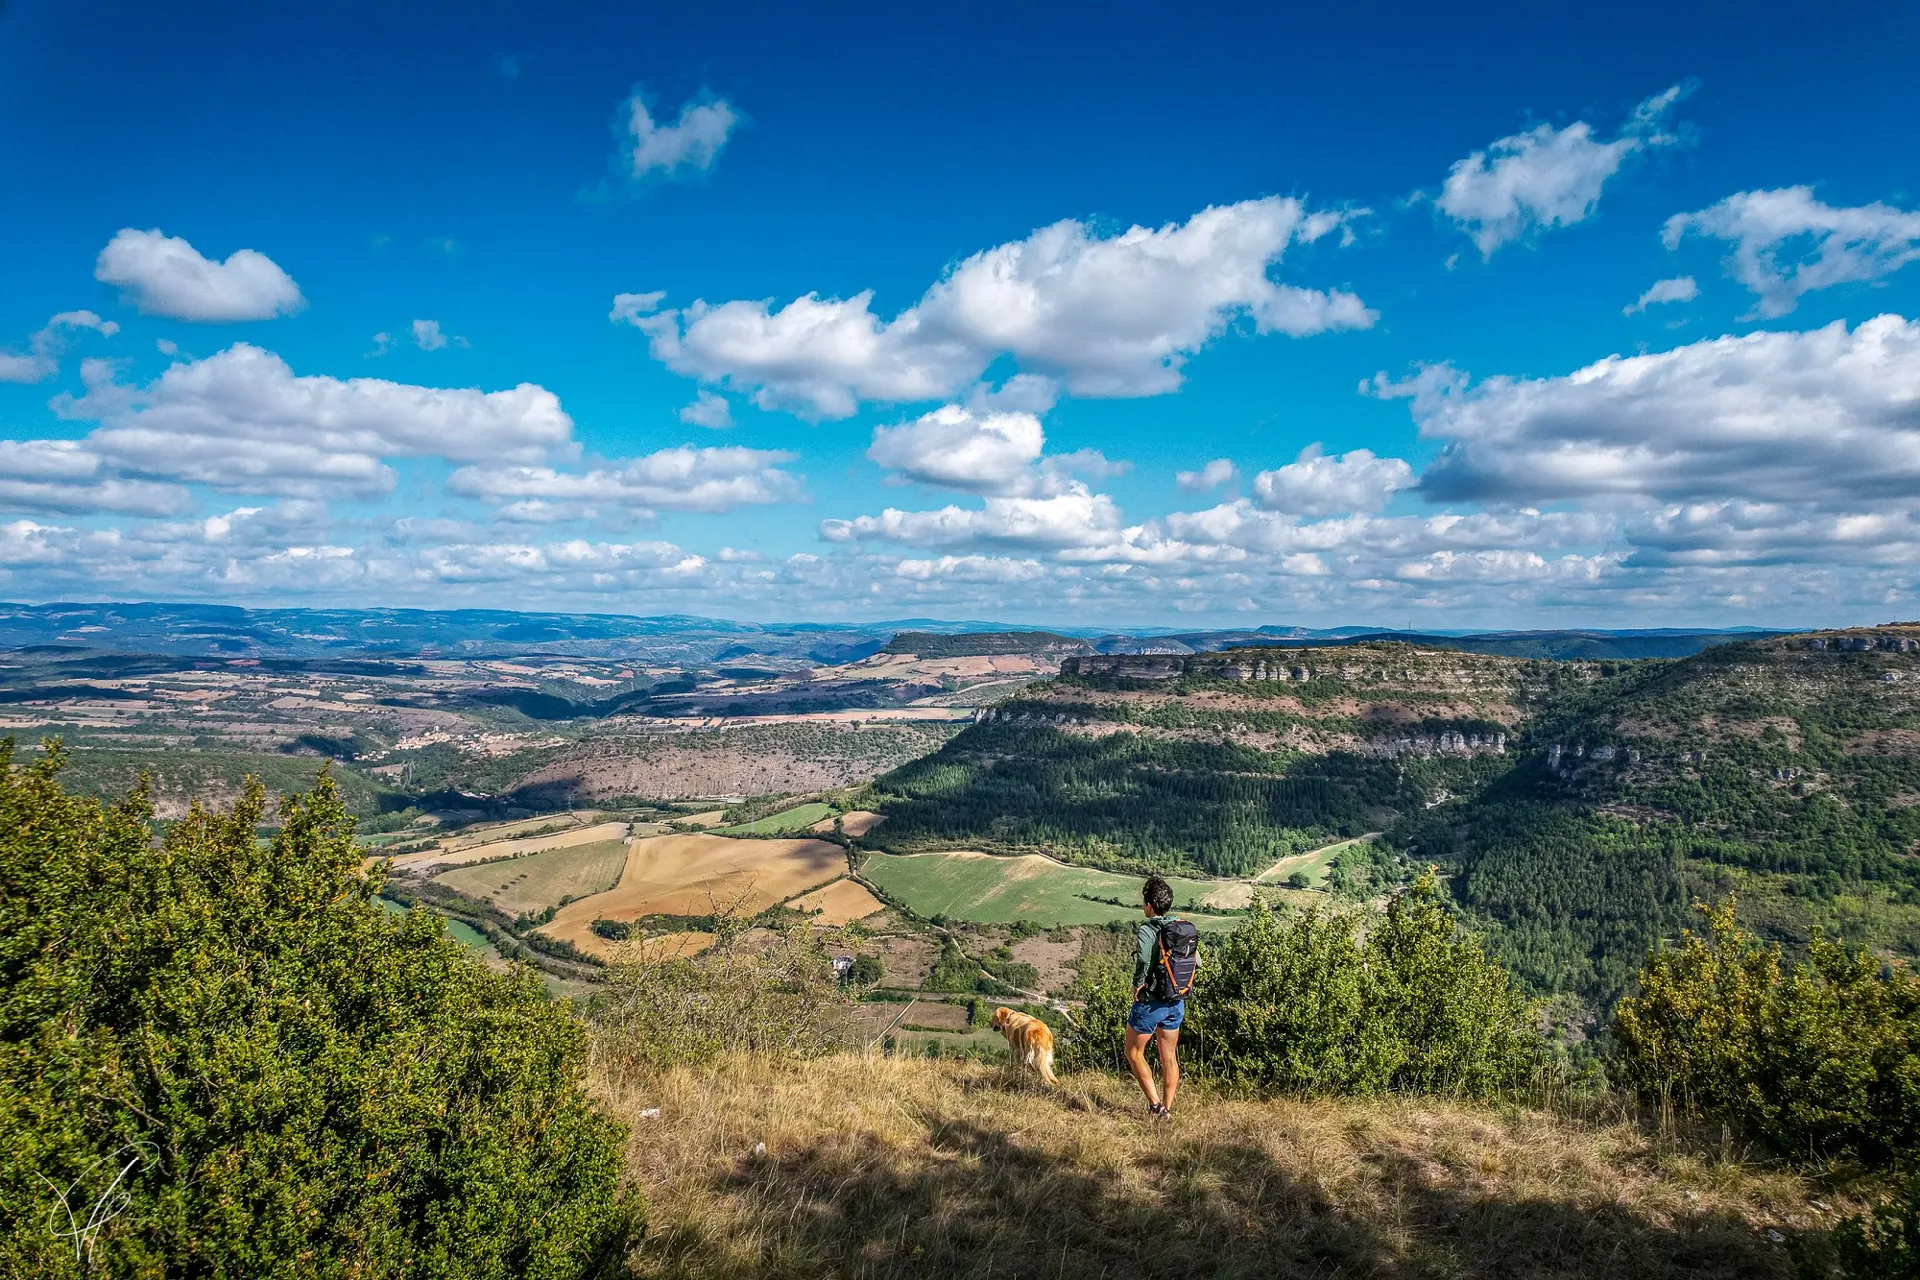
x: 863, y: 1165
x: 1002, y: 890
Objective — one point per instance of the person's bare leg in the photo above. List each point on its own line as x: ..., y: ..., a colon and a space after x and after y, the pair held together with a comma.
x: 1168, y: 1042
x: 1137, y: 1063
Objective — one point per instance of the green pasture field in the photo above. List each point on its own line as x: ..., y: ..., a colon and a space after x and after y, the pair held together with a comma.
x: 786, y: 822
x: 459, y: 930
x: 539, y: 880
x: 1313, y: 863
x: 1002, y: 890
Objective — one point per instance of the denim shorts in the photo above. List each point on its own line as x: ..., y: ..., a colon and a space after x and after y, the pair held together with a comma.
x: 1148, y: 1016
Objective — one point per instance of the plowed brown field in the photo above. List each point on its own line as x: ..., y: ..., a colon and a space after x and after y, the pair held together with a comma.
x: 841, y: 902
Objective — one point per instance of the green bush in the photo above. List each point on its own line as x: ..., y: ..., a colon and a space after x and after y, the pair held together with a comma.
x: 1332, y: 1002
x: 294, y: 1081
x: 1318, y: 1002
x: 1883, y: 1244
x: 957, y: 973
x: 1093, y: 1037
x: 1820, y: 1060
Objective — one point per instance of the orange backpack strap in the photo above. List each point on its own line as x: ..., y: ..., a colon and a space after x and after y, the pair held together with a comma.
x: 1173, y: 984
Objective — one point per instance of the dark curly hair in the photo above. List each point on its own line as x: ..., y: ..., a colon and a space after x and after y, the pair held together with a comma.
x: 1158, y: 894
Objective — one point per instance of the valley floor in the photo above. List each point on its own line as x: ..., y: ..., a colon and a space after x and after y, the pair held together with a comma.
x: 880, y: 1167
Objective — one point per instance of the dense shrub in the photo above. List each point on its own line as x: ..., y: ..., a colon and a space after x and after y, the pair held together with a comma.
x: 294, y: 1081
x: 1822, y: 1059
x: 770, y: 992
x: 958, y: 973
x: 1335, y: 1001
x: 1094, y: 1035
x: 1881, y: 1244
x: 1319, y: 1002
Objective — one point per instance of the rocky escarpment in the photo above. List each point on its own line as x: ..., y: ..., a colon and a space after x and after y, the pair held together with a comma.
x: 1383, y: 699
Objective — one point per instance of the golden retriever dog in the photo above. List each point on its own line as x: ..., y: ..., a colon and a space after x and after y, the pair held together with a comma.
x: 1030, y: 1039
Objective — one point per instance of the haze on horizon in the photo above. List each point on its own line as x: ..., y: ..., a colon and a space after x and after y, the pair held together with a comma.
x: 1515, y: 320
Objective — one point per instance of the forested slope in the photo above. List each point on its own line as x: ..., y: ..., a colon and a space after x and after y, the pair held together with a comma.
x: 1785, y: 770
x: 1232, y: 761
x: 1579, y: 807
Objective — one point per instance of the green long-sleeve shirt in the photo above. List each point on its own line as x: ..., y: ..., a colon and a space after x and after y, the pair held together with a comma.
x: 1149, y: 939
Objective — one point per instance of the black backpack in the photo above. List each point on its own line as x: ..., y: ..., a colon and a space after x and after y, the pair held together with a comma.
x: 1175, y: 961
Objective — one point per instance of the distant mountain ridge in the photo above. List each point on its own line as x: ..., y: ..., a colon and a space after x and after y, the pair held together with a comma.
x: 231, y: 631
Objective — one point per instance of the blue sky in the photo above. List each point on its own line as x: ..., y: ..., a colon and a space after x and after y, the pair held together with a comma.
x: 1113, y: 314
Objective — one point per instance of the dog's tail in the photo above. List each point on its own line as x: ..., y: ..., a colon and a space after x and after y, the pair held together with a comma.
x: 1044, y: 1061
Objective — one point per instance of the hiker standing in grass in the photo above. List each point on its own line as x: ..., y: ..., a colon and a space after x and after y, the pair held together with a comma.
x: 1162, y: 976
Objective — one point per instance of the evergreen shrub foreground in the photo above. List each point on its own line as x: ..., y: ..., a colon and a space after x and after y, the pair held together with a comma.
x: 283, y: 1078
x: 1819, y: 1060
x: 1317, y: 1002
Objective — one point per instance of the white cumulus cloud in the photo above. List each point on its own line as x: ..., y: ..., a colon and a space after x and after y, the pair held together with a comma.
x: 958, y: 448
x: 1315, y: 484
x: 1545, y: 177
x: 163, y: 275
x: 1828, y: 416
x: 678, y: 479
x: 708, y: 410
x: 1107, y: 315
x: 981, y: 569
x: 242, y: 420
x: 1677, y: 289
x: 578, y: 563
x: 63, y: 476
x: 48, y: 343
x: 690, y: 144
x: 428, y: 336
x: 1787, y: 243
x: 1216, y: 473
x: 1077, y: 518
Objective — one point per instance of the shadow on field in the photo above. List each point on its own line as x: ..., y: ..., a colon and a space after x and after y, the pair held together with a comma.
x: 975, y: 1202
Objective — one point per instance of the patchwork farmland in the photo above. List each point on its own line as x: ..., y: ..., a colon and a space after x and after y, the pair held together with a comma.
x: 534, y: 882
x: 692, y: 875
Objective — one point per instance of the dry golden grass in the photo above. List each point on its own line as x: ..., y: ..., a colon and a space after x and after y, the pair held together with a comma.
x: 854, y: 822
x: 857, y: 822
x: 841, y: 902
x: 464, y: 854
x: 884, y: 1167
x: 689, y: 875
x: 540, y: 880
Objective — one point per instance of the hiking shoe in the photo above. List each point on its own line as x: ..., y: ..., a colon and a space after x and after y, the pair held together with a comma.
x: 1155, y: 1111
